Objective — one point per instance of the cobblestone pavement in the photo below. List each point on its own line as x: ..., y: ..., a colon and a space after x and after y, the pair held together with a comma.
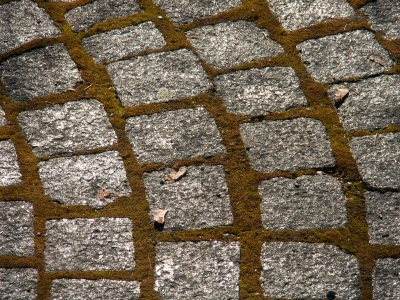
x: 269, y: 130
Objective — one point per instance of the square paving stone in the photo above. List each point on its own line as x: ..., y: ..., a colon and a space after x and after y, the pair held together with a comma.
x: 383, y: 218
x: 83, y: 17
x: 372, y: 103
x: 296, y: 14
x: 307, y: 202
x: 16, y: 228
x: 95, y: 180
x: 183, y: 12
x: 22, y: 22
x: 231, y: 44
x: 3, y: 120
x: 18, y: 284
x: 9, y: 169
x: 378, y: 159
x: 159, y: 77
x: 260, y: 91
x: 386, y: 279
x: 203, y: 270
x: 76, y: 125
x: 89, y: 244
x: 287, y: 145
x: 308, y: 271
x: 198, y: 200
x: 82, y: 289
x: 39, y: 73
x: 175, y: 135
x: 345, y: 55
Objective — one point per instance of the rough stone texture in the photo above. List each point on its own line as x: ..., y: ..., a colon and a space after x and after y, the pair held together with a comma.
x: 77, y: 125
x: 83, y: 17
x: 183, y: 12
x: 16, y: 228
x: 307, y: 202
x: 378, y: 159
x: 78, y: 180
x: 18, y: 284
x: 232, y: 43
x: 384, y: 17
x: 159, y: 77
x: 260, y: 91
x: 345, y: 55
x: 308, y: 271
x: 198, y: 200
x: 3, y: 120
x: 303, y: 13
x: 9, y: 169
x: 386, y: 279
x: 203, y: 270
x: 89, y: 244
x: 82, y: 289
x: 175, y: 135
x: 288, y: 145
x: 383, y: 217
x: 39, y: 72
x: 119, y: 43
x: 371, y: 104
x: 22, y: 22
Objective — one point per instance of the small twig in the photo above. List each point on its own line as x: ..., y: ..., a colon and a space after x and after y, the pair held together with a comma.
x: 88, y: 87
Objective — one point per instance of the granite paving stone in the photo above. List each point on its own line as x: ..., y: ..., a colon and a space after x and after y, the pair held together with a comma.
x: 372, y: 103
x: 3, y: 120
x: 203, y: 270
x: 73, y: 126
x: 287, y: 145
x: 307, y: 202
x: 260, y: 91
x: 95, y: 180
x: 39, y: 72
x: 18, y: 284
x: 103, y: 289
x: 9, y: 169
x: 308, y: 271
x: 386, y: 279
x: 346, y: 55
x: 198, y: 200
x: 230, y: 44
x: 159, y: 77
x: 16, y: 228
x: 175, y: 135
x: 83, y: 17
x: 183, y: 12
x: 22, y: 22
x: 120, y: 43
x: 89, y: 244
x: 378, y: 159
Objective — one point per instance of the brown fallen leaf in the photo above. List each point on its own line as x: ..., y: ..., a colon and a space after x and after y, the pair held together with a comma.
x: 175, y: 167
x: 378, y: 60
x: 104, y: 194
x: 158, y: 215
x: 175, y: 175
x: 340, y: 94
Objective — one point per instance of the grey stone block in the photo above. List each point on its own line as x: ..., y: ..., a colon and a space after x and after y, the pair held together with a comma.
x: 233, y: 43
x: 371, y: 103
x: 307, y: 202
x: 9, y: 169
x: 308, y: 271
x: 83, y: 17
x: 89, y: 244
x: 260, y: 91
x: 119, y: 43
x: 386, y: 279
x: 203, y: 270
x: 23, y: 21
x: 18, y: 284
x: 198, y: 200
x: 287, y: 145
x: 345, y: 55
x: 378, y: 159
x: 82, y: 289
x: 3, y: 120
x: 77, y: 125
x: 16, y: 228
x: 183, y: 12
x: 175, y: 135
x: 39, y: 73
x: 95, y: 180
x: 159, y: 77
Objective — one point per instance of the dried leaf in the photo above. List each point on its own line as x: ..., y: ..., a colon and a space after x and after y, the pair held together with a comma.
x: 378, y: 60
x: 71, y: 89
x: 340, y: 94
x: 104, y: 194
x: 176, y: 167
x: 158, y: 215
x: 175, y: 175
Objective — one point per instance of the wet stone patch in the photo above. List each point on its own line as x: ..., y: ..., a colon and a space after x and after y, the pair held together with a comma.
x: 3, y: 120
x: 9, y: 169
x: 386, y: 279
x: 18, y: 284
